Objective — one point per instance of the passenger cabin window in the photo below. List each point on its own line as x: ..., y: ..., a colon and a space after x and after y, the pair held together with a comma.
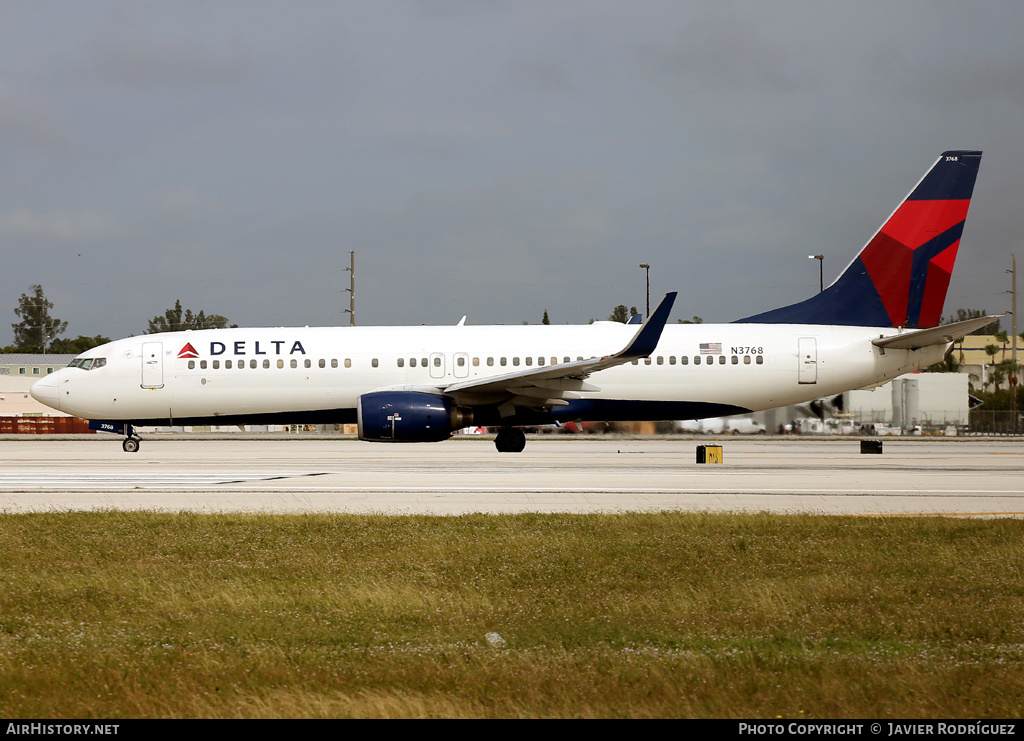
x: 322, y: 363
x: 334, y: 362
x: 401, y: 362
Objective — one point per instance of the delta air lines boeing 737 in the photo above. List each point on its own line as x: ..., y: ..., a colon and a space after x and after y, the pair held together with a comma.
x: 879, y: 319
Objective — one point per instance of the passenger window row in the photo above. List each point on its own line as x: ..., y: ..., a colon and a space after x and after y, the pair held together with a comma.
x: 705, y: 359
x: 266, y: 363
x: 460, y: 361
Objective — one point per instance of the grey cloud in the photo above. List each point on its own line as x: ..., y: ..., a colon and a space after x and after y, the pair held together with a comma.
x: 61, y: 226
x: 27, y: 122
x: 150, y: 62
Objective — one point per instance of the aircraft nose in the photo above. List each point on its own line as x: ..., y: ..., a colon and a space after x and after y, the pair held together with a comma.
x: 45, y: 391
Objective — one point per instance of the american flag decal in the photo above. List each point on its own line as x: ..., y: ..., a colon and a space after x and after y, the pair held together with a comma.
x: 711, y: 348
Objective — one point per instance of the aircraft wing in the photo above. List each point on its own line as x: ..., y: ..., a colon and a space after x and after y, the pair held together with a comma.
x: 551, y: 385
x: 916, y: 339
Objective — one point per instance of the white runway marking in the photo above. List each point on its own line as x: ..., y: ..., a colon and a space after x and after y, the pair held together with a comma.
x: 121, y: 480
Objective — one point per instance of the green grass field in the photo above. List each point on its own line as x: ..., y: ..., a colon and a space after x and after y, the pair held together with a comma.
x: 120, y: 615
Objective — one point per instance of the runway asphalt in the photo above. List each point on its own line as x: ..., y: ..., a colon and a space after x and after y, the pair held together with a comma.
x: 290, y: 474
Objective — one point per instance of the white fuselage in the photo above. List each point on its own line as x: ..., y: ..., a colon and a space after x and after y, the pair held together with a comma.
x: 296, y: 373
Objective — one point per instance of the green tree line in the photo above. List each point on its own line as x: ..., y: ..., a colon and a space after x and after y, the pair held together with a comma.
x: 39, y: 332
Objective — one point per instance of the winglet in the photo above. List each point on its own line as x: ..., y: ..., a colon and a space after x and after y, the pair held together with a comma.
x: 646, y: 340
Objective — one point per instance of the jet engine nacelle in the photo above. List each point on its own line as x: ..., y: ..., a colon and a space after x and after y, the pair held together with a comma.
x: 409, y: 417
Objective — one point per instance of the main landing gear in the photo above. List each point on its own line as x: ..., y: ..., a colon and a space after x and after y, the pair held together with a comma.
x: 130, y: 443
x: 510, y: 440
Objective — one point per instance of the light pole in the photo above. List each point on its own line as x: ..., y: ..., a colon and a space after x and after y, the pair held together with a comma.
x: 1013, y: 372
x: 351, y: 270
x: 821, y: 271
x: 647, y: 269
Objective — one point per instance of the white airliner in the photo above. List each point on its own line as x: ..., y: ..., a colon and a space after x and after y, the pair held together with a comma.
x: 419, y: 384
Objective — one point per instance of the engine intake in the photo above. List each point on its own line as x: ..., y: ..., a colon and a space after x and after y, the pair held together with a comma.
x: 409, y: 417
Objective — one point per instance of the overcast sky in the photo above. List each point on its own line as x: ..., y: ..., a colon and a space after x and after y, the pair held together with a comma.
x: 483, y: 158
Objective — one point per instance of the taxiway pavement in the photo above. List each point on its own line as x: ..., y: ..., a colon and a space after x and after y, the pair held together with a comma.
x: 913, y: 476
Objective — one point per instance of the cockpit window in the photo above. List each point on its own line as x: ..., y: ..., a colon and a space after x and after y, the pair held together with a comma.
x: 87, y: 363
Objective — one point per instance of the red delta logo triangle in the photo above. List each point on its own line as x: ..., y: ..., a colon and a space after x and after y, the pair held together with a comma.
x: 188, y: 351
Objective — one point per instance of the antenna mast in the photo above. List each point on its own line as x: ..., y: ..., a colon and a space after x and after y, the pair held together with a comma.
x: 351, y: 310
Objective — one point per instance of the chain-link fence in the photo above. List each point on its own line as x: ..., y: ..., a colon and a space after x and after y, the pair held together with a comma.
x: 995, y: 422
x: 979, y: 422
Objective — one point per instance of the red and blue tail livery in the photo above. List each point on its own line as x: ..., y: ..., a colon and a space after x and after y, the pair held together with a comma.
x: 900, y: 277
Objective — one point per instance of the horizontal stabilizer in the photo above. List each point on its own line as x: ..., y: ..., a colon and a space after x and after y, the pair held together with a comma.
x: 935, y: 336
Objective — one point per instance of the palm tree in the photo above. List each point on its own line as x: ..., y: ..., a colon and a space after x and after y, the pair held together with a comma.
x: 998, y: 376
x: 991, y: 351
x: 1004, y: 338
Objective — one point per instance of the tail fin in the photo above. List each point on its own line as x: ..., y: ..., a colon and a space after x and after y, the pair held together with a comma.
x: 900, y: 277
